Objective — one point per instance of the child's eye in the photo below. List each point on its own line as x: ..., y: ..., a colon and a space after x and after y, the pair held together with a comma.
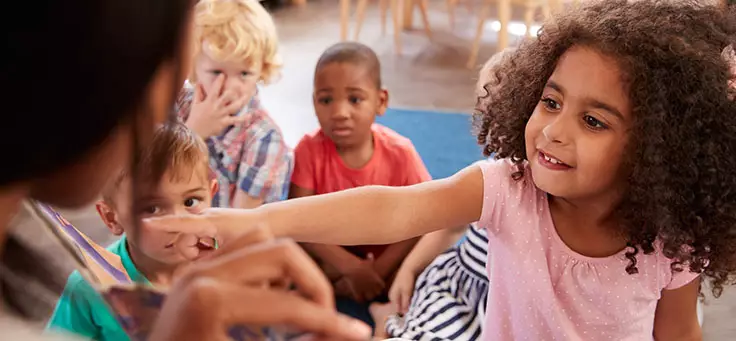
x: 245, y: 74
x: 216, y: 72
x: 550, y: 104
x: 192, y: 202
x: 324, y: 100
x: 151, y: 210
x: 355, y: 100
x: 593, y: 122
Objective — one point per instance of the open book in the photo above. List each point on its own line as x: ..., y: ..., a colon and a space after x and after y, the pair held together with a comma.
x: 135, y: 306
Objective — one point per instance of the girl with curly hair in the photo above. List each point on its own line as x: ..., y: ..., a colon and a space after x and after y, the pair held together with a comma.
x: 443, y: 273
x: 613, y: 193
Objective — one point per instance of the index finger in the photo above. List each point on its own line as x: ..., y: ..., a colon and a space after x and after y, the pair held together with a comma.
x: 223, y: 224
x: 197, y: 225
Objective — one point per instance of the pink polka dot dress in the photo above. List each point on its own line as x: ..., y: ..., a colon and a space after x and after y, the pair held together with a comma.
x: 540, y: 289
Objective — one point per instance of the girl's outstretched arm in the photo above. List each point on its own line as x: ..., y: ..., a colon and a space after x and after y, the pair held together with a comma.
x: 365, y: 215
x: 377, y: 214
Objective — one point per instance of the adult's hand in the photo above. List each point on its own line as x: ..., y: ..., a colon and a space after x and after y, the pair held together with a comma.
x: 242, y: 284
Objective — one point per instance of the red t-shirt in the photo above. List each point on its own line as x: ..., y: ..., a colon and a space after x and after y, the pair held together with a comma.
x: 395, y: 162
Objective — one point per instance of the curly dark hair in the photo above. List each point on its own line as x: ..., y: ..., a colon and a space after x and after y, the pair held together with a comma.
x: 682, y: 152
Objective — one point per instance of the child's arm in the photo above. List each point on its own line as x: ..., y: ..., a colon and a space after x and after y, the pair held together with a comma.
x: 74, y: 310
x: 390, y: 260
x: 676, y: 317
x: 345, y: 263
x: 429, y: 247
x: 426, y: 250
x: 375, y: 214
x: 334, y: 255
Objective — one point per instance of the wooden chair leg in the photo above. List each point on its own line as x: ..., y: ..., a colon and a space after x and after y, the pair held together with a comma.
x: 484, y: 12
x: 360, y: 16
x: 383, y: 7
x: 425, y: 18
x: 407, y: 14
x: 504, y: 17
x: 344, y: 18
x: 396, y: 16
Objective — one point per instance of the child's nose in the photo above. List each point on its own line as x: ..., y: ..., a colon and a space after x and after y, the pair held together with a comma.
x: 555, y: 130
x: 235, y: 85
x: 341, y: 112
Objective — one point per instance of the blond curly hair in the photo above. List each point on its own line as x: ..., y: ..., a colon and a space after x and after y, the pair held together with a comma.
x: 237, y: 30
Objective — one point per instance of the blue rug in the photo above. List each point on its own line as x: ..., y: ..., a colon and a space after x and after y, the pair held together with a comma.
x: 444, y: 140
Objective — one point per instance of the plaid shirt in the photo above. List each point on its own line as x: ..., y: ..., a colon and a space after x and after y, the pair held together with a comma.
x: 251, y: 156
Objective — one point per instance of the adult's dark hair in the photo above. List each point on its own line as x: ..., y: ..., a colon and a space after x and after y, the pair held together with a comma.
x: 74, y: 71
x: 681, y: 189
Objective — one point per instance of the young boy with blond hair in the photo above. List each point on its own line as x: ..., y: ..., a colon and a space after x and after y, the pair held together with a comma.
x: 172, y: 177
x: 235, y: 47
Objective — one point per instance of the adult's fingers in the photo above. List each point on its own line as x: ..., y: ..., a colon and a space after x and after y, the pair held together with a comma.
x: 267, y: 263
x: 264, y: 307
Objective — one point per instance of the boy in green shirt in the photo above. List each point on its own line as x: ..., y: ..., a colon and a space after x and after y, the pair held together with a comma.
x: 174, y: 175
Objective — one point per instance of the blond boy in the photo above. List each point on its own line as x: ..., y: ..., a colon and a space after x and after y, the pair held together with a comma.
x: 235, y: 47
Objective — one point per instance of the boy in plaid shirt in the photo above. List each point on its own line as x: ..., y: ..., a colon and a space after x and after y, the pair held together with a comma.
x: 236, y: 47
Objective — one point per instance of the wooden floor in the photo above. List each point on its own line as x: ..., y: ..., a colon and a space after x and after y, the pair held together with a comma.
x: 428, y: 75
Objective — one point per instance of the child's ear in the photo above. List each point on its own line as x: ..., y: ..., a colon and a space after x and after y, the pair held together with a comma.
x: 214, y: 187
x: 109, y: 217
x: 383, y: 102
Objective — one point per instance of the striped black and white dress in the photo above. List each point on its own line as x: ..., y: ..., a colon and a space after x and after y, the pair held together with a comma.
x: 450, y: 295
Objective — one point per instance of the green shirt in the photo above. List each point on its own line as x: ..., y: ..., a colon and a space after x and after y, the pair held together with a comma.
x: 82, y: 311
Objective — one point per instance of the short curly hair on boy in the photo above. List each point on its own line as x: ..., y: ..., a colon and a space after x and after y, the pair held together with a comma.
x: 682, y: 151
x: 237, y: 30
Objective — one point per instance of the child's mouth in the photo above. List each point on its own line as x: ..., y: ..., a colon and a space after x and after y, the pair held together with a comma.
x: 552, y: 162
x: 341, y: 132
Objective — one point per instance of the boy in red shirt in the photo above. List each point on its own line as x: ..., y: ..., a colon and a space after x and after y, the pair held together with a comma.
x: 350, y: 150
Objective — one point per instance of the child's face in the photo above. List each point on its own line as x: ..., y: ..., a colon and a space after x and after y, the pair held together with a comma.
x: 347, y: 101
x: 188, y: 195
x: 576, y: 137
x: 241, y: 77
